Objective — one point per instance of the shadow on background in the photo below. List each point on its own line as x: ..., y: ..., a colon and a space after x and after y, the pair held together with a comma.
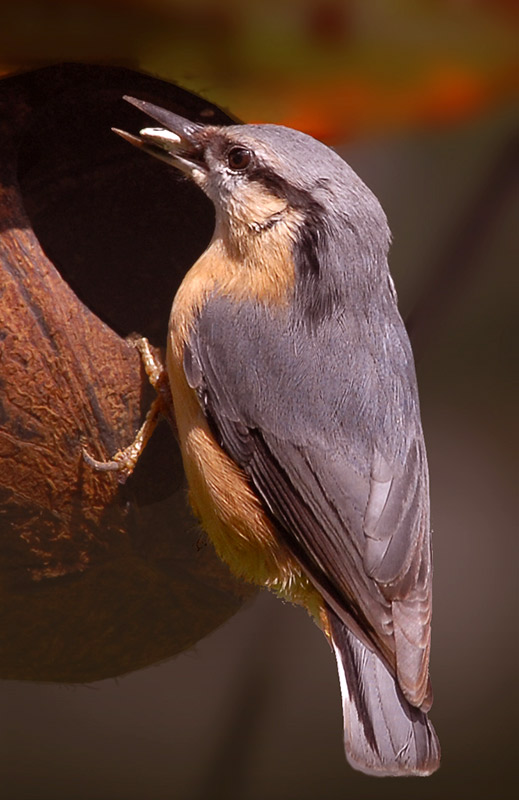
x: 254, y: 712
x: 159, y: 733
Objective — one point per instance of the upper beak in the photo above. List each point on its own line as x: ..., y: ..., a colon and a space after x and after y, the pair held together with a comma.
x: 178, y: 143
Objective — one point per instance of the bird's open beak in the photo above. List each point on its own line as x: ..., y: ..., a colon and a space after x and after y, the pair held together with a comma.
x: 178, y: 143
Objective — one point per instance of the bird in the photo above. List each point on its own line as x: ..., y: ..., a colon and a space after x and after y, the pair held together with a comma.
x: 297, y: 409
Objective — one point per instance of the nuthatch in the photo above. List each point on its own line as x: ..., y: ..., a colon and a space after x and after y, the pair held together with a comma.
x: 297, y: 410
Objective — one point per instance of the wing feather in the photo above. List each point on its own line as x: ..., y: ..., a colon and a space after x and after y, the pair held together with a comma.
x: 329, y: 434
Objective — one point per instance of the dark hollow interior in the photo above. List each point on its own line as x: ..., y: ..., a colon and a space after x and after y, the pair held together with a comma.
x: 121, y: 227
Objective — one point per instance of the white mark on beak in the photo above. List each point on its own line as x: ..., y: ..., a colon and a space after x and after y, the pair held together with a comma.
x: 160, y: 136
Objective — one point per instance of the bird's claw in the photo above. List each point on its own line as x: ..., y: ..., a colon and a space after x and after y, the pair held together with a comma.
x: 123, y: 462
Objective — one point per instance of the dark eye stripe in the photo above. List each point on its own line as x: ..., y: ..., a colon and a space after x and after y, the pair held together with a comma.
x: 297, y: 198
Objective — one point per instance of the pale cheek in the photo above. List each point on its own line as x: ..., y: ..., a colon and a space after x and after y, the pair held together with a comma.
x: 200, y: 178
x: 217, y: 188
x: 242, y: 202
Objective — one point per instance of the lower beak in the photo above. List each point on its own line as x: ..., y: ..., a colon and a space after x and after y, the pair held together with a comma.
x: 178, y: 143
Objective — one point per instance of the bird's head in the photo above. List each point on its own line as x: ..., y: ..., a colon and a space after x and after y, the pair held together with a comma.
x: 271, y: 182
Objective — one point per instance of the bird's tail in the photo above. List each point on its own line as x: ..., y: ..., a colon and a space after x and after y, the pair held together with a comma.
x: 383, y: 733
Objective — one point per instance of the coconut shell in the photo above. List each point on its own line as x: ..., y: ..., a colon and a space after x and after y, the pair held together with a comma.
x: 96, y: 578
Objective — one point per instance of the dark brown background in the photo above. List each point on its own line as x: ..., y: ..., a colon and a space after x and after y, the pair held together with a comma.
x: 253, y: 712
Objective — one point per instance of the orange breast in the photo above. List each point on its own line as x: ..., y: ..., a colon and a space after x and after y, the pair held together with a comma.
x: 219, y: 491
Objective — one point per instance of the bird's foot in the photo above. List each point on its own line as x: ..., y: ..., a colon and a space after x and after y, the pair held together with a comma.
x: 125, y: 461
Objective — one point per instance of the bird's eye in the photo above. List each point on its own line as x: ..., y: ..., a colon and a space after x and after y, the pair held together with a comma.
x: 239, y: 158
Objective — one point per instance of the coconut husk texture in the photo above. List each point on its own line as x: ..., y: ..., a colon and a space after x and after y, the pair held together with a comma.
x: 97, y: 578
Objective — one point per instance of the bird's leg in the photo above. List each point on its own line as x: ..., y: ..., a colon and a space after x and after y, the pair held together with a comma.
x: 157, y: 376
x: 124, y: 461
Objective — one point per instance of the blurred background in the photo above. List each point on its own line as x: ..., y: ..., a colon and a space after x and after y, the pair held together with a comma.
x: 420, y: 98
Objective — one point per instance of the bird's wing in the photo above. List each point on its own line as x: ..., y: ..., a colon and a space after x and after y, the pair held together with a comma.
x: 325, y: 423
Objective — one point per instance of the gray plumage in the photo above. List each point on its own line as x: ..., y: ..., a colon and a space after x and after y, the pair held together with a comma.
x: 314, y: 465
x: 317, y: 402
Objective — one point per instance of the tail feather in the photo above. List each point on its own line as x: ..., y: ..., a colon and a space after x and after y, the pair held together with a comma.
x: 383, y: 733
